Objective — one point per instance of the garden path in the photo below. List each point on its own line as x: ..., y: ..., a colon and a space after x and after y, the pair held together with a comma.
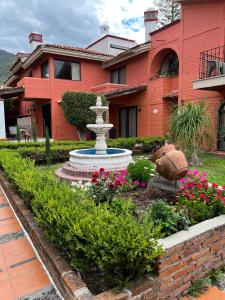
x: 22, y: 276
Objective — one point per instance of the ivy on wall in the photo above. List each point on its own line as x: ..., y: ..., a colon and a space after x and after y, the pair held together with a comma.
x: 76, y: 107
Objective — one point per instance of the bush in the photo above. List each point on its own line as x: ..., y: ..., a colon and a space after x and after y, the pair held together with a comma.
x: 92, y: 236
x: 76, y: 107
x: 141, y: 171
x: 203, y: 200
x: 167, y: 217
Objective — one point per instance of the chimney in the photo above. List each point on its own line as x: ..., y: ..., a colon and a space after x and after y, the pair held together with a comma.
x: 150, y: 19
x: 35, y: 40
x: 104, y: 29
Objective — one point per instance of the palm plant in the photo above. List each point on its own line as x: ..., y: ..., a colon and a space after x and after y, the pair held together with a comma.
x: 189, y: 128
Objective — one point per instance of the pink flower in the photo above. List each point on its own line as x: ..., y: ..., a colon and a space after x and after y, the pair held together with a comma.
x: 182, y: 180
x: 136, y: 183
x: 204, y: 174
x: 143, y: 184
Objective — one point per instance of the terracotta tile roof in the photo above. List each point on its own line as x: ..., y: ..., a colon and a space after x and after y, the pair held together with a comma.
x: 84, y: 50
x: 125, y: 91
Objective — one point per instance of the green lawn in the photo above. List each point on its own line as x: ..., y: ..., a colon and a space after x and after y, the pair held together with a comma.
x: 214, y: 167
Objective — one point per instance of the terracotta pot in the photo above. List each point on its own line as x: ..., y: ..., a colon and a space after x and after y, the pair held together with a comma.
x: 172, y: 165
x: 161, y: 152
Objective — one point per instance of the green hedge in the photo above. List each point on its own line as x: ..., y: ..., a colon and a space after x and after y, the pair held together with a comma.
x: 119, y: 245
x: 60, y: 149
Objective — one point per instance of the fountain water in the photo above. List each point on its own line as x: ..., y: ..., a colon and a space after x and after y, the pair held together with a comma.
x: 82, y: 163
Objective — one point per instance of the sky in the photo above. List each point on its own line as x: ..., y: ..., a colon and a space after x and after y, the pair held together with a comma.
x: 68, y: 22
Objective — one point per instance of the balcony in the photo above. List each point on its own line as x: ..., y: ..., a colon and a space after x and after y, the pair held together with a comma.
x: 35, y: 88
x: 211, y: 70
x: 108, y: 87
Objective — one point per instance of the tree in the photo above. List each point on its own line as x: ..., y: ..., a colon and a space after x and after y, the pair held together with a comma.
x: 168, y: 11
x: 76, y: 107
x: 47, y: 147
x: 189, y: 128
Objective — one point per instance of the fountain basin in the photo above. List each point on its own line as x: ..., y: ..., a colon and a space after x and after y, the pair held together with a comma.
x: 84, y: 162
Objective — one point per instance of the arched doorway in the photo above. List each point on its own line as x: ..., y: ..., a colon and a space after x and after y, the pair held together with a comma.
x: 221, y: 129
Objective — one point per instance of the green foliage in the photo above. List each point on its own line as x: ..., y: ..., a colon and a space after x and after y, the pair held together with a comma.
x: 47, y: 147
x: 199, y: 287
x: 76, y: 107
x: 141, y: 170
x: 18, y: 135
x: 34, y: 131
x: 168, y: 11
x: 167, y: 217
x: 217, y: 276
x: 121, y: 206
x: 189, y: 127
x: 106, y: 238
x: 60, y: 149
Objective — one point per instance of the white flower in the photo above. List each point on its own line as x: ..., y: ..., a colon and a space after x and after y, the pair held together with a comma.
x: 146, y: 168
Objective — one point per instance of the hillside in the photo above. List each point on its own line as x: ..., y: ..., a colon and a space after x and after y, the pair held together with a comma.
x: 6, y: 61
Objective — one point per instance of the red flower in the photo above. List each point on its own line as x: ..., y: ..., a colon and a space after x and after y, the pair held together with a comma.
x: 214, y: 185
x: 202, y: 196
x: 116, y: 183
x: 102, y: 170
x: 95, y: 175
x: 94, y: 180
x: 199, y: 185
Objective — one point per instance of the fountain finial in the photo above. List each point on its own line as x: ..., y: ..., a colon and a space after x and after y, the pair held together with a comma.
x: 99, y: 101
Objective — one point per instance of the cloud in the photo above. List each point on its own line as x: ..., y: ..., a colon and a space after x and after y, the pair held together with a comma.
x: 68, y: 22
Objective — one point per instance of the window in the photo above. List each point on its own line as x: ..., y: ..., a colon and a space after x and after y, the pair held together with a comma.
x: 119, y: 76
x: 170, y: 65
x: 45, y: 70
x: 67, y: 70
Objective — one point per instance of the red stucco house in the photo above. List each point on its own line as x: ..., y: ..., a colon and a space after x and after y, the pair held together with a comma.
x: 183, y: 61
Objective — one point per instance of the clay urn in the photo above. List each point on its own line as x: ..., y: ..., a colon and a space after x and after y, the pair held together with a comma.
x: 172, y: 165
x: 162, y: 151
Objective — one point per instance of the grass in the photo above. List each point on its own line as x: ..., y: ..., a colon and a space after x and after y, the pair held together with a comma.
x: 214, y: 167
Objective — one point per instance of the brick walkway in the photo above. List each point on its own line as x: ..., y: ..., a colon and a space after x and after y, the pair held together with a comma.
x: 21, y: 273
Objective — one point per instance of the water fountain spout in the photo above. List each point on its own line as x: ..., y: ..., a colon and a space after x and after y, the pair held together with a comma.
x: 100, y: 128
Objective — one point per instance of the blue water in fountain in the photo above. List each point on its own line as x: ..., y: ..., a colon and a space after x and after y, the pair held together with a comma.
x: 109, y: 151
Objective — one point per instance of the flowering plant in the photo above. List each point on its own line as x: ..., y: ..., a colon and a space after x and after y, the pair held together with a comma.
x: 105, y: 185
x: 203, y: 199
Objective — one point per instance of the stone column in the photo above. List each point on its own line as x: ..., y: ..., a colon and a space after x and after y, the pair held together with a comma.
x: 2, y: 121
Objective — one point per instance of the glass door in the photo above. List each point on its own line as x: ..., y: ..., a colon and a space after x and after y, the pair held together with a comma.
x: 128, y: 122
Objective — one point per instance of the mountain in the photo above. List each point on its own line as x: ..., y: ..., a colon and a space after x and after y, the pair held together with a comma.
x: 6, y: 61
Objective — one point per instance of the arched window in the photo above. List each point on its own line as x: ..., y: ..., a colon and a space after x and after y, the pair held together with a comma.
x: 170, y: 65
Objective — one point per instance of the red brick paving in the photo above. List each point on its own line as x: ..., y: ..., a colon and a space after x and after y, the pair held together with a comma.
x: 213, y: 293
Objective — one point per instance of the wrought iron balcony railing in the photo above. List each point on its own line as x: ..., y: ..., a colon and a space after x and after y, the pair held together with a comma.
x: 212, y: 63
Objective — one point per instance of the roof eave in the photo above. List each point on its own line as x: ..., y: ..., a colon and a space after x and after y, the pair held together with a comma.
x: 71, y: 53
x: 127, y: 55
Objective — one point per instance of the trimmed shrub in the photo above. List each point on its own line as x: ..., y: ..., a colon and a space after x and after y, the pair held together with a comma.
x: 93, y: 236
x: 60, y: 149
x: 76, y: 107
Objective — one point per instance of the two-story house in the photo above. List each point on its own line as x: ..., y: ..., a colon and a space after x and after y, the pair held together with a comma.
x: 183, y: 61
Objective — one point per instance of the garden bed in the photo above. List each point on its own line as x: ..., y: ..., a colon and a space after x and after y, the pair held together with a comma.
x: 189, y: 255
x: 110, y: 241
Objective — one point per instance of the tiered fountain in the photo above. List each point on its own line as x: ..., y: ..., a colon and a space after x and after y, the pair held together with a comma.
x: 82, y: 163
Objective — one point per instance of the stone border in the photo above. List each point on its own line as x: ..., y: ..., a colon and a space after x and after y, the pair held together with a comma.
x: 189, y: 255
